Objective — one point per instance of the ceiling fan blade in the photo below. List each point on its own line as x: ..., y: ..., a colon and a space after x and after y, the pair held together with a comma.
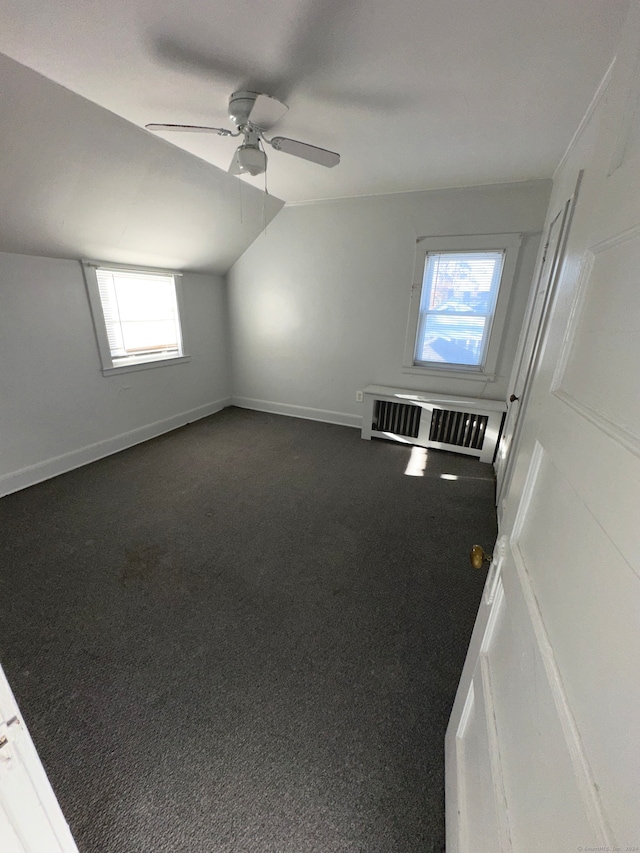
x: 191, y: 128
x: 266, y: 111
x: 305, y: 151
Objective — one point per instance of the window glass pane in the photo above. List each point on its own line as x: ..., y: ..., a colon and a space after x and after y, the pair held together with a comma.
x: 145, y: 300
x: 459, y: 294
x: 149, y: 335
x: 453, y: 339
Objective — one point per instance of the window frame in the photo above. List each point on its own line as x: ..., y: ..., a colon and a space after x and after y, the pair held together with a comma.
x: 90, y: 269
x: 507, y: 243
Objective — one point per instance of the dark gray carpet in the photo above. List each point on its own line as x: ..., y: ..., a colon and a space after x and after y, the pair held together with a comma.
x: 245, y: 636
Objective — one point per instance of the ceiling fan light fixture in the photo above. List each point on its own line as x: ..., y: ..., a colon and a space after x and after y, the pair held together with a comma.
x: 249, y: 160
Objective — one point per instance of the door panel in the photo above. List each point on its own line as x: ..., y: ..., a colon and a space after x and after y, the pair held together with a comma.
x: 482, y: 822
x: 610, y: 488
x: 603, y: 366
x: 10, y: 841
x: 537, y: 765
x: 479, y: 825
x: 590, y: 598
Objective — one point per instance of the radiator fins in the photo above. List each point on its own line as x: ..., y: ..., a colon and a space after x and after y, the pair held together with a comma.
x: 398, y: 418
x: 462, y: 429
x: 459, y: 429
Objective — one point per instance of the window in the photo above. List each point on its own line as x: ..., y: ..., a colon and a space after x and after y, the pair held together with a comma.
x: 136, y: 314
x: 459, y: 303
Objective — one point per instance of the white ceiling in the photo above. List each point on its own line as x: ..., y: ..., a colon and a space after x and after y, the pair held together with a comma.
x: 414, y: 94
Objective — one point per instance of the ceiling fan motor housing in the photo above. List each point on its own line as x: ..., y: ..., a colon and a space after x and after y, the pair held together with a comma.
x: 240, y: 106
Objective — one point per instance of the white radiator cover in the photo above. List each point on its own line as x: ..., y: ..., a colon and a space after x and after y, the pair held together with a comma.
x: 461, y: 424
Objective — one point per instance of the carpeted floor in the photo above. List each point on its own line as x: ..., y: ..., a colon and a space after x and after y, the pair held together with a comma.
x: 245, y: 636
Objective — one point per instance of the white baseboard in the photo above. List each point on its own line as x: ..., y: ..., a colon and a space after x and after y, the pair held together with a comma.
x: 33, y: 474
x: 328, y: 417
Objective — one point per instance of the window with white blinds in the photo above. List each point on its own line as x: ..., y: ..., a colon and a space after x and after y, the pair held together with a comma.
x: 459, y: 293
x: 139, y: 315
x: 459, y: 303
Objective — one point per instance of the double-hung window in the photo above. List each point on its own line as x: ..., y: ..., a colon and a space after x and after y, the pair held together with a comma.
x: 459, y: 304
x: 136, y: 314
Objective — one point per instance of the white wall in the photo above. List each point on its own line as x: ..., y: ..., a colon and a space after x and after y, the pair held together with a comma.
x: 319, y: 303
x: 57, y: 410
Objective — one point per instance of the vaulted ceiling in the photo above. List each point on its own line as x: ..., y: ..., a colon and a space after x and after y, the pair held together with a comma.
x: 414, y: 94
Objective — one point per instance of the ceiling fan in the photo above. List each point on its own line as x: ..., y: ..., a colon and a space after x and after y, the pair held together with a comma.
x: 253, y: 113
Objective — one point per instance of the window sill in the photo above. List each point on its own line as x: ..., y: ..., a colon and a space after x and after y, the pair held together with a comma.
x: 450, y: 373
x: 144, y: 365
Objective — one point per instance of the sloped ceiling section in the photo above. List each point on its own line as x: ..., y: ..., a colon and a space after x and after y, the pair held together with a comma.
x: 78, y: 181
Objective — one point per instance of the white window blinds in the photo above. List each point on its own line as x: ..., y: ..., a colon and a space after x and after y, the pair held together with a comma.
x: 140, y: 313
x: 458, y: 300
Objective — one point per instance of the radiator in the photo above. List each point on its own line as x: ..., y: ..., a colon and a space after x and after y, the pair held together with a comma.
x: 461, y: 424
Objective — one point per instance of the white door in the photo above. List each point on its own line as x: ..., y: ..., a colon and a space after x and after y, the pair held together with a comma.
x: 30, y: 817
x: 543, y: 746
x: 529, y: 348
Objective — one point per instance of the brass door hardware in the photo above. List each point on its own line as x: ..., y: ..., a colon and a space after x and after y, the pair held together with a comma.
x: 479, y: 556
